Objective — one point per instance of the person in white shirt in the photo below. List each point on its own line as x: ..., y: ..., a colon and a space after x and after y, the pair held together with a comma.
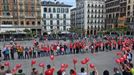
x: 82, y: 72
x: 8, y: 72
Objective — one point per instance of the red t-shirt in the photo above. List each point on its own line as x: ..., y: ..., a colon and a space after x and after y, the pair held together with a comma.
x: 49, y: 71
x: 74, y: 73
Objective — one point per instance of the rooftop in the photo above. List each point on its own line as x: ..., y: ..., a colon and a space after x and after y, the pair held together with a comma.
x: 58, y: 4
x: 73, y: 9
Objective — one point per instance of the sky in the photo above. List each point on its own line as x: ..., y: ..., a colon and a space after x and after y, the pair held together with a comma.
x: 70, y: 2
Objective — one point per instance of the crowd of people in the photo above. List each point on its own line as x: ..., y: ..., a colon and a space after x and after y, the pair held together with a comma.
x: 39, y: 49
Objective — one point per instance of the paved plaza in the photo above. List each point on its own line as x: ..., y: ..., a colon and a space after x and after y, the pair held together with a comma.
x: 102, y: 60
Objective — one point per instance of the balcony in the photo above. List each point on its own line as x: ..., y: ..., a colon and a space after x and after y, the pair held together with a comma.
x: 6, y: 16
x: 29, y: 16
x: 38, y: 9
x: 38, y: 3
x: 15, y: 9
x: 39, y: 17
x: 22, y: 16
x: 21, y: 2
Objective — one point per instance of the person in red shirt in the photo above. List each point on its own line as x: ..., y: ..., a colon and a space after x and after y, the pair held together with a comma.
x: 49, y: 71
x: 72, y: 72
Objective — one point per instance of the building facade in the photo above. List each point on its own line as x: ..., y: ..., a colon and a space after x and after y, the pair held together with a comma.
x: 115, y: 13
x: 73, y: 17
x: 20, y: 14
x: 90, y: 15
x: 55, y: 17
x: 130, y: 14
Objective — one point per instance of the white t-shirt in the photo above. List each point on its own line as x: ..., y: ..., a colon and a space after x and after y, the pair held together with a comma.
x: 82, y: 73
x: 64, y: 73
x: 58, y: 47
x: 9, y: 74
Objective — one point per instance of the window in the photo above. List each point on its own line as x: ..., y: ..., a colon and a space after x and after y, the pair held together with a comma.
x: 15, y: 22
x: 133, y: 19
x: 27, y: 22
x: 32, y: 8
x: 58, y: 16
x: 5, y: 7
x: 88, y: 5
x: 5, y: 1
x: 45, y: 22
x: 64, y: 22
x: 15, y: 1
x: 51, y: 22
x: 58, y: 10
x: 26, y: 8
x: 51, y: 27
x: 62, y: 10
x: 6, y: 22
x: 88, y: 16
x: 38, y: 14
x: 15, y: 14
x: 128, y: 19
x: 44, y: 27
x: 64, y: 16
x: 129, y: 1
x: 128, y: 8
x: 58, y: 27
x: 49, y: 10
x: 22, y: 22
x: 64, y: 27
x: 32, y: 13
x: 58, y: 22
x: 3, y: 22
x: 44, y: 15
x: 45, y: 9
x: 54, y: 10
x: 128, y: 13
x: 26, y: 13
x: 38, y: 22
x: 51, y: 15
x: 67, y: 10
x: 33, y: 23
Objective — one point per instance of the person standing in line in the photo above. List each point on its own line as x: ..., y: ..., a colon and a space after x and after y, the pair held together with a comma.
x: 7, y: 53
x: 0, y: 55
x: 30, y: 52
x: 26, y: 52
x: 116, y: 71
x: 12, y: 51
